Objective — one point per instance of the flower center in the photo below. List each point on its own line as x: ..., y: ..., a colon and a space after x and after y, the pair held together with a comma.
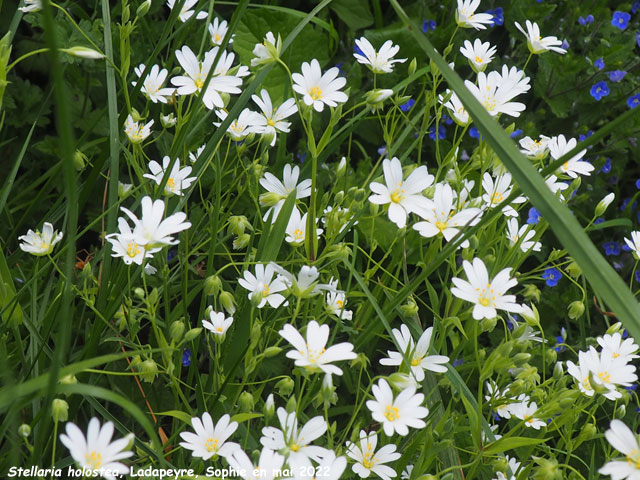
x: 368, y: 461
x: 478, y: 59
x: 441, y: 225
x: 634, y: 458
x: 298, y: 234
x: 497, y: 197
x: 392, y: 413
x: 198, y: 81
x: 315, y: 93
x: 171, y: 184
x: 294, y: 447
x: 220, y: 329
x: 265, y: 291
x: 133, y: 249
x: 340, y: 303
x: 416, y: 361
x: 271, y: 122
x: 604, y: 376
x: 398, y: 195
x: 93, y: 459
x: 211, y: 445
x: 217, y: 37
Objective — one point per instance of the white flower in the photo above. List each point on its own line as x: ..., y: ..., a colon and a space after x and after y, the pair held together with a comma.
x: 378, y: 62
x: 496, y: 192
x: 368, y: 460
x: 241, y: 127
x: 186, y: 13
x: 40, y: 243
x: 406, y: 473
x: 178, y: 179
x: 514, y: 467
x: 536, y: 43
x: 31, y: 6
x: 634, y: 243
x: 403, y: 196
x: 626, y: 442
x: 96, y: 452
x: 487, y: 295
x: 613, y: 346
x: 278, y: 191
x: 311, y: 353
x: 336, y: 300
x: 152, y: 84
x: 573, y: 167
x: 217, y: 30
x: 263, y: 287
x: 318, y: 89
x: 538, y: 149
x: 268, y: 51
x: 197, y: 72
x: 495, y: 90
x: 218, y: 324
x: 501, y: 399
x: 523, y: 234
x: 329, y: 467
x: 194, y: 156
x: 208, y: 440
x: 268, y: 468
x: 582, y: 370
x: 271, y: 120
x: 479, y: 54
x: 397, y: 414
x: 443, y: 219
x: 151, y: 230
x: 526, y: 411
x: 466, y: 15
x: 297, y: 442
x: 305, y: 284
x: 456, y: 109
x: 556, y: 186
x: 168, y: 121
x: 124, y: 245
x: 296, y: 231
x: 419, y: 360
x: 137, y: 132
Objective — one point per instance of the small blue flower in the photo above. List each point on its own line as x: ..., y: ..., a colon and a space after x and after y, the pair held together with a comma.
x: 516, y: 133
x: 586, y: 20
x: 534, y: 216
x: 611, y: 248
x: 428, y: 25
x: 552, y: 276
x: 560, y: 346
x: 171, y: 254
x: 606, y: 168
x: 382, y: 150
x: 457, y: 362
x: 598, y: 221
x: 625, y: 204
x: 617, y: 75
x: 474, y: 133
x: 301, y: 157
x: 441, y: 132
x: 599, y: 63
x: 620, y: 20
x: 632, y: 388
x: 565, y: 44
x: 638, y: 184
x: 633, y: 101
x: 405, y: 107
x: 638, y: 276
x: 635, y: 7
x: 625, y: 247
x: 446, y: 119
x: 356, y: 49
x: 599, y: 90
x: 498, y: 16
x: 186, y: 357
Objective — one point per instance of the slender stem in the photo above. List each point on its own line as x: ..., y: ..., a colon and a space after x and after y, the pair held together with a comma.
x: 26, y: 55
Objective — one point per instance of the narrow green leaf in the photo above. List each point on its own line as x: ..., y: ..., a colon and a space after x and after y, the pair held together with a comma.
x: 9, y: 306
x: 509, y: 443
x: 276, y: 235
x: 243, y: 417
x: 184, y: 417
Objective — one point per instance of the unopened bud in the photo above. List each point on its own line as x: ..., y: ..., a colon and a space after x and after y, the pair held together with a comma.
x: 409, y: 309
x: 620, y: 412
x: 212, y: 285
x: 558, y: 371
x: 573, y: 269
x: 604, y: 204
x: 59, y: 410
x: 272, y: 351
x: 246, y: 402
x: 547, y: 469
x: 148, y: 370
x: 79, y: 160
x: 238, y: 224
x: 291, y: 405
x: 142, y: 10
x: 83, y: 52
x: 413, y: 66
x: 24, y: 430
x: 521, y: 358
x: 68, y: 380
x: 575, y: 310
x: 376, y: 97
x: 124, y: 189
x: 285, y: 386
x: 269, y: 407
x: 228, y: 302
x: 192, y: 334
x: 488, y: 324
x: 402, y: 381
x: 530, y: 315
x: 176, y: 330
x: 241, y: 241
x: 531, y: 292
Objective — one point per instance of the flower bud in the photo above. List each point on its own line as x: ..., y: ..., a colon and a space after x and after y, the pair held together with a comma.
x: 285, y: 386
x: 616, y: 327
x: 272, y: 351
x: 558, y: 371
x: 68, y: 380
x: 573, y: 269
x: 83, y: 52
x: 24, y: 430
x: 176, y: 330
x: 604, y: 204
x: 212, y: 285
x: 488, y: 324
x: 59, y: 410
x: 142, y: 10
x: 413, y: 66
x: 124, y: 189
x: 589, y: 431
x: 192, y: 334
x: 376, y: 97
x: 139, y: 293
x: 238, y: 224
x: 530, y: 315
x: 126, y: 13
x: 241, y: 241
x: 402, y: 381
x: 409, y: 309
x: 79, y: 160
x: 575, y: 310
x: 168, y: 121
x: 620, y: 412
x: 531, y: 292
x: 228, y: 302
x: 269, y: 407
x: 291, y: 405
x: 256, y: 335
x: 521, y: 358
x: 148, y: 370
x: 548, y: 469
x: 246, y: 402
x: 327, y: 391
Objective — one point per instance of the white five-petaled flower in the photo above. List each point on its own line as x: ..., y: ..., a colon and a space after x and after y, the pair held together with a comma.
x: 241, y: 127
x: 536, y: 43
x: 614, y: 346
x: 381, y: 61
x: 96, y: 452
x: 419, y: 360
x: 336, y: 300
x: 311, y: 353
x: 558, y: 146
x: 495, y: 90
x: 495, y: 191
x: 634, y: 244
x: 209, y: 440
x: 279, y: 190
x: 137, y: 132
x: 626, y: 442
x: 152, y: 85
x: 268, y: 468
x: 197, y: 72
x: 522, y: 234
x: 263, y: 288
x: 186, y: 13
x: 124, y: 245
x: 526, y: 411
x: 538, y: 149
x: 271, y: 120
x: 217, y: 30
x: 296, y: 231
x: 369, y: 460
x: 318, y: 89
x: 403, y: 196
x: 31, y: 6
x: 305, y: 284
x: 329, y: 467
x: 218, y: 324
x: 268, y: 51
x: 466, y: 15
x: 479, y: 54
x: 456, y: 109
x: 178, y: 177
x: 297, y: 442
x: 488, y: 295
x: 40, y: 243
x: 443, y: 219
x: 399, y: 413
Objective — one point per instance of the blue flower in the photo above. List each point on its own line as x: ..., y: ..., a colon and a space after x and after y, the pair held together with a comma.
x: 534, y: 216
x: 405, y: 107
x: 635, y: 7
x: 552, y: 276
x: 457, y: 362
x: 186, y: 357
x: 516, y: 133
x: 356, y: 49
x: 617, y: 75
x: 606, y: 168
x: 446, y: 119
x: 586, y: 20
x: 638, y: 38
x: 171, y: 254
x: 565, y: 44
x: 598, y: 221
x: 633, y: 101
x: 428, y: 25
x: 440, y: 130
x: 599, y: 90
x: 498, y: 16
x: 582, y: 138
x: 638, y: 276
x: 382, y: 150
x: 638, y: 184
x: 638, y: 215
x: 599, y: 63
x: 560, y: 346
x: 474, y: 133
x: 625, y: 247
x: 301, y: 157
x: 625, y: 204
x: 620, y: 20
x: 611, y: 248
